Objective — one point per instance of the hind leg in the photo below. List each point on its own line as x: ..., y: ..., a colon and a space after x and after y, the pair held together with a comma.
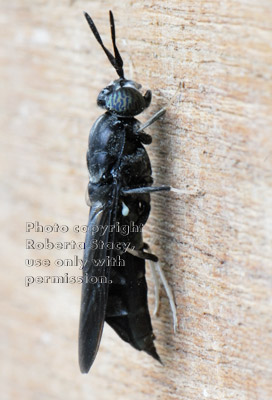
x: 156, y: 270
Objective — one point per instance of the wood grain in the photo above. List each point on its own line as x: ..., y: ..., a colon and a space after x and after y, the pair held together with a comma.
x: 212, y: 232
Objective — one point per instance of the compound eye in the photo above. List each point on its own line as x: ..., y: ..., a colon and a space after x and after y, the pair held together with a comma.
x: 101, y: 99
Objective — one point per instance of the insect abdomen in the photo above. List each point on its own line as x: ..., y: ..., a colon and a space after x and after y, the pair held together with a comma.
x: 127, y: 308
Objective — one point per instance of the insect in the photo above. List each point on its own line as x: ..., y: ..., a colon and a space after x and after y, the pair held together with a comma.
x: 119, y: 190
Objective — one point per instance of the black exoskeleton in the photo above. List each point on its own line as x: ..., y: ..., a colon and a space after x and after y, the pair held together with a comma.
x: 119, y: 190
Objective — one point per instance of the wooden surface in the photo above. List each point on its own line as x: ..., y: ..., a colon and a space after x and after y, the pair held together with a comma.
x: 213, y: 232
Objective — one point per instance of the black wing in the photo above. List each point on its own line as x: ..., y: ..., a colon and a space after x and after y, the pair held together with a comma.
x: 94, y: 295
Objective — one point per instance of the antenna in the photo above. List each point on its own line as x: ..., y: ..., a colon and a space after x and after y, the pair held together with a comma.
x: 116, y: 61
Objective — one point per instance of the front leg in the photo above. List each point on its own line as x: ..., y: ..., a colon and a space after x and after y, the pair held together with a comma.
x: 142, y: 136
x: 159, y: 113
x: 151, y: 120
x: 138, y: 130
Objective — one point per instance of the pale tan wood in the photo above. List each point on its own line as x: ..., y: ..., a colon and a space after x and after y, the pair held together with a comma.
x: 214, y: 242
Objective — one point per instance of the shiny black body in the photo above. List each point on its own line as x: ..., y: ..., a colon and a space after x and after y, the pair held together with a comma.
x: 117, y: 163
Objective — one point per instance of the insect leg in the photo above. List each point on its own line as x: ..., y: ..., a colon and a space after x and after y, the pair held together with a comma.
x: 151, y: 120
x: 159, y: 113
x: 152, y: 259
x: 157, y: 286
x: 156, y: 267
x: 143, y: 255
x: 145, y: 189
x: 169, y: 293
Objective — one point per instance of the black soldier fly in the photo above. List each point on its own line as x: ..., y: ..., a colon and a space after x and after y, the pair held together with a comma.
x: 119, y: 190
